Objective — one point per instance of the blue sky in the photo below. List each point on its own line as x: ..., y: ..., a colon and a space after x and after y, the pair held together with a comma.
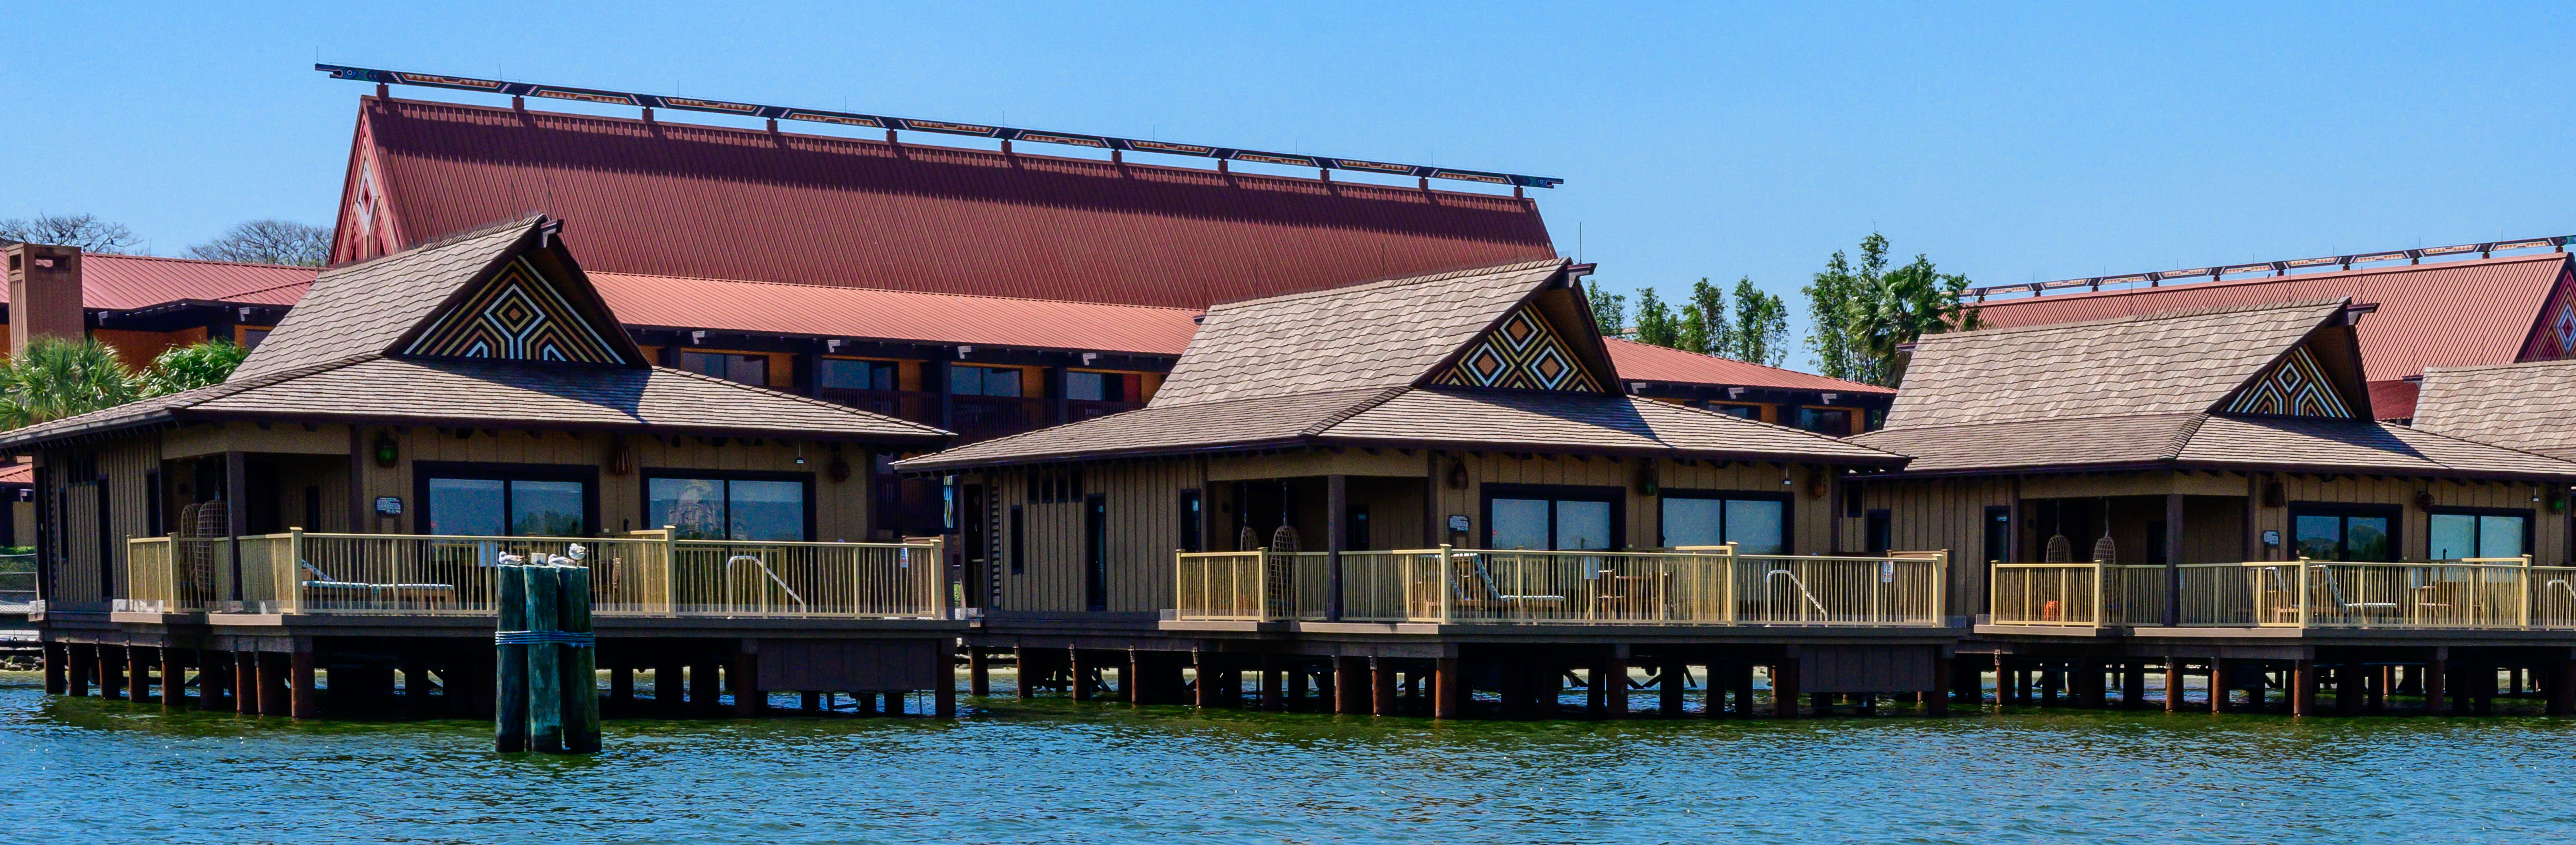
x: 2011, y: 143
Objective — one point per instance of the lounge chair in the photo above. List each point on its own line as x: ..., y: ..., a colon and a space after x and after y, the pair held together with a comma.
x: 328, y: 588
x: 1477, y: 591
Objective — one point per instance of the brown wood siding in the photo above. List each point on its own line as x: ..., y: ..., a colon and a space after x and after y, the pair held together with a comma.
x: 840, y: 509
x: 1143, y: 529
x: 1810, y: 520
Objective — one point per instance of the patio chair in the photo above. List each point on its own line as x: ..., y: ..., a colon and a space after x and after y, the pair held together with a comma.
x: 1476, y: 590
x: 2334, y: 591
x: 326, y: 587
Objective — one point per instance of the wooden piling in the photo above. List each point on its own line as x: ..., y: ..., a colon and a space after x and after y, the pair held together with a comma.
x: 274, y: 668
x: 2218, y: 685
x: 943, y: 696
x: 1448, y: 689
x: 2437, y: 687
x: 246, y: 683
x: 2173, y: 684
x: 545, y: 660
x: 1670, y: 683
x: 2348, y: 695
x: 1382, y: 686
x: 1350, y: 685
x: 1081, y: 669
x: 76, y: 670
x: 1025, y: 672
x: 621, y: 689
x: 510, y: 675
x: 748, y: 700
x: 1784, y: 689
x: 214, y: 679
x: 2303, y: 688
x: 304, y: 701
x: 979, y: 673
x: 1610, y: 680
x: 111, y: 672
x: 581, y: 662
x: 2559, y: 676
x: 1272, y: 682
x: 139, y: 663
x: 2133, y: 685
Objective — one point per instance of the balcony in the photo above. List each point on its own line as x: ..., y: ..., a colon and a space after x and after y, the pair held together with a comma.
x: 2479, y: 594
x: 1693, y: 587
x: 1077, y: 410
x: 646, y: 574
x: 909, y: 405
x: 987, y: 417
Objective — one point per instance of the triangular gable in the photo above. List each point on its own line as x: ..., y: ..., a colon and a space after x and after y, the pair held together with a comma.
x: 1524, y: 351
x: 516, y: 314
x: 2295, y: 386
x: 2553, y: 335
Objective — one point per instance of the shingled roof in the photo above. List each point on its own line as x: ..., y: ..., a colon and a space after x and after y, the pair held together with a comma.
x: 1365, y: 365
x: 2163, y: 391
x: 361, y: 348
x: 2530, y: 406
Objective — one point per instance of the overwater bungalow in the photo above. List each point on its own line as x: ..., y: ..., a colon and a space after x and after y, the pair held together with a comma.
x: 1432, y: 493
x: 337, y: 507
x: 2209, y: 492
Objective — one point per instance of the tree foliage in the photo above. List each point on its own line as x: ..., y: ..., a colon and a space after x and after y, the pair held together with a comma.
x: 1656, y: 323
x: 1861, y: 312
x: 190, y: 367
x: 55, y: 378
x: 81, y: 230
x: 1609, y: 310
x: 1755, y: 330
x: 1703, y: 320
x: 1760, y: 333
x: 269, y: 242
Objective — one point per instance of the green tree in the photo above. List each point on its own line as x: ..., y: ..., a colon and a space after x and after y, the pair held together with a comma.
x: 1703, y: 327
x: 1656, y: 323
x: 1861, y: 312
x: 192, y: 366
x: 55, y: 378
x: 1609, y: 310
x: 1760, y: 333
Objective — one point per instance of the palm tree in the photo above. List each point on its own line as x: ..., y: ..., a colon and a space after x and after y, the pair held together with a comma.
x: 54, y: 378
x: 193, y: 366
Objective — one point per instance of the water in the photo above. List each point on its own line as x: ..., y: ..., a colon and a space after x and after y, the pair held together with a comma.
x: 86, y: 770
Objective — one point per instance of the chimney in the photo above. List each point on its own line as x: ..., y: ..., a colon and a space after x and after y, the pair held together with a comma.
x: 44, y: 293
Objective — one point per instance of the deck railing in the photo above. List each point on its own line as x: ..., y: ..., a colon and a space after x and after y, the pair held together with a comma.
x: 2477, y: 593
x: 646, y: 573
x: 1713, y: 586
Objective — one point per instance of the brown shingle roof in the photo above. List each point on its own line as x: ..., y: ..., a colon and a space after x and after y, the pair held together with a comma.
x: 2024, y: 444
x: 2173, y: 363
x: 2303, y: 443
x: 364, y: 307
x: 385, y: 390
x: 1381, y: 334
x: 2530, y: 406
x: 1166, y: 429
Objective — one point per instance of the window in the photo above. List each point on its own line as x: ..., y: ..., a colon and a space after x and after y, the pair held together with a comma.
x: 846, y: 374
x: 728, y: 508
x: 251, y: 337
x: 2452, y: 535
x: 1053, y: 486
x: 1878, y: 533
x: 1019, y: 545
x: 748, y: 369
x: 1998, y: 534
x: 1191, y: 519
x: 1095, y: 387
x: 1750, y: 412
x: 983, y: 381
x: 500, y: 501
x: 1359, y: 528
x: 1833, y: 421
x: 2359, y: 533
x: 1095, y: 548
x: 1559, y: 518
x: 1757, y: 523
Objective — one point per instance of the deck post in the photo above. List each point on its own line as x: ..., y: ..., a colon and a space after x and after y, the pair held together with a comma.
x: 214, y: 683
x: 1448, y: 689
x: 1744, y: 690
x: 2218, y: 685
x: 246, y: 683
x: 1966, y: 684
x: 2379, y: 683
x: 1024, y: 671
x: 1610, y: 679
x: 1081, y: 672
x: 2348, y: 688
x: 56, y: 679
x: 2092, y: 686
x: 621, y: 687
x: 943, y: 698
x: 174, y: 679
x: 1669, y: 683
x: 111, y: 672
x: 1202, y: 691
x: 1784, y: 688
x: 2173, y: 540
x: 1382, y: 686
x: 669, y: 688
x: 2133, y: 685
x: 1271, y: 694
x: 2303, y: 688
x: 979, y: 672
x: 303, y: 701
x: 2173, y: 684
x: 1350, y: 685
x: 1131, y: 679
x: 138, y: 674
x: 273, y: 669
x: 2560, y: 676
x: 2003, y: 682
x: 76, y: 669
x: 703, y: 690
x: 747, y: 698
x: 2437, y: 688
x: 1337, y: 519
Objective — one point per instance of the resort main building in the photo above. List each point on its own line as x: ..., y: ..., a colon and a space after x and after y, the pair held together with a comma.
x: 826, y: 413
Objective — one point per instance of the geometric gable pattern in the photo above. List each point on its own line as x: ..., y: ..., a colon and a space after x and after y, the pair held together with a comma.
x: 517, y: 316
x: 1523, y: 352
x: 2295, y: 387
x: 2554, y: 339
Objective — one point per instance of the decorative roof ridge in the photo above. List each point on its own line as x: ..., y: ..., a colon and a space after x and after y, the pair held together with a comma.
x: 2150, y: 317
x: 2030, y: 420
x: 1363, y: 406
x: 1393, y: 281
x: 2182, y: 438
x: 2185, y: 283
x: 522, y: 221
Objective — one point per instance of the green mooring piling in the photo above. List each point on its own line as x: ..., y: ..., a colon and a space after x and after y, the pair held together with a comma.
x: 548, y: 685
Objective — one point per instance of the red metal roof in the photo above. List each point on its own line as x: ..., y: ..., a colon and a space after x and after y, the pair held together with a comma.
x: 2449, y: 314
x: 1643, y: 362
x: 124, y: 282
x: 677, y: 199
x: 858, y: 313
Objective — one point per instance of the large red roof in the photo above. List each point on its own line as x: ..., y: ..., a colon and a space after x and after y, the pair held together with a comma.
x: 859, y: 313
x: 677, y: 199
x: 2449, y: 314
x: 126, y: 282
x: 1644, y: 362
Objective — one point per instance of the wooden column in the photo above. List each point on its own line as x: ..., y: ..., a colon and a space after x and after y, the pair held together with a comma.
x: 57, y: 677
x: 1337, y: 519
x: 670, y: 694
x: 2379, y: 683
x: 1448, y: 689
x: 747, y: 697
x: 1272, y: 697
x: 1025, y: 673
x: 979, y: 672
x: 2303, y: 688
x: 809, y: 702
x: 303, y: 700
x: 174, y: 679
x: 77, y: 670
x: 1081, y: 671
x: 1203, y: 693
x: 1744, y: 690
x: 416, y: 686
x: 943, y: 698
x: 2348, y: 688
x: 2133, y: 685
x: 273, y: 669
x: 214, y: 679
x: 2172, y: 611
x: 2560, y: 676
x: 1382, y: 686
x: 111, y: 672
x: 2437, y: 688
x: 237, y: 517
x: 246, y: 683
x: 1350, y: 685
x: 1669, y: 686
x: 2218, y: 685
x: 1784, y: 689
x: 1131, y: 678
x: 138, y: 673
x: 2090, y: 687
x: 1610, y: 678
x: 621, y: 688
x: 703, y: 688
x: 2173, y: 684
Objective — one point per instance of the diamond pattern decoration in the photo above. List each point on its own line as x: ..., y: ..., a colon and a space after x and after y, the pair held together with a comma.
x: 518, y: 315
x: 2295, y: 387
x: 1524, y: 353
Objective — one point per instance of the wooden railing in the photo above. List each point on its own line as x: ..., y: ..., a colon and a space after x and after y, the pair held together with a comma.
x: 646, y: 573
x: 1713, y: 586
x: 2478, y: 593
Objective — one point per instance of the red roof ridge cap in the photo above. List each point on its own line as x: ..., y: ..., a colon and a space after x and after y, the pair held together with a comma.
x: 2179, y: 285
x: 257, y: 264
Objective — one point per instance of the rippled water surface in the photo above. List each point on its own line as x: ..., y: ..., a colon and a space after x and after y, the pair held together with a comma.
x: 85, y: 770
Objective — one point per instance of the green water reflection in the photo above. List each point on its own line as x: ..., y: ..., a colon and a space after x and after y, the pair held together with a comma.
x: 85, y: 770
